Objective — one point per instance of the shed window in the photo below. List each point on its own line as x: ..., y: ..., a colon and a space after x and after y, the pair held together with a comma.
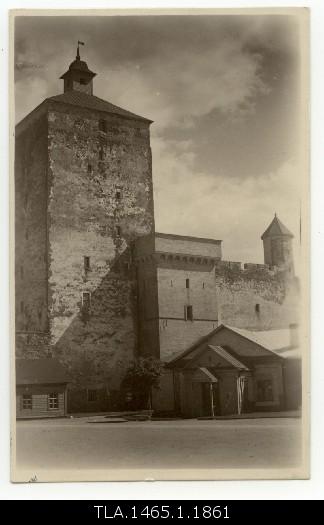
x: 188, y: 313
x: 92, y: 395
x: 265, y: 390
x: 53, y: 401
x: 103, y: 125
x: 86, y: 261
x: 187, y: 283
x: 27, y: 402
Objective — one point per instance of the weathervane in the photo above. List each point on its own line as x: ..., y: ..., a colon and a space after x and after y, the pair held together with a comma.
x: 78, y: 50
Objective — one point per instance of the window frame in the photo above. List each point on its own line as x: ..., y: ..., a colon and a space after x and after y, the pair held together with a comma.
x: 23, y: 399
x: 265, y: 398
x: 53, y: 401
x: 92, y: 393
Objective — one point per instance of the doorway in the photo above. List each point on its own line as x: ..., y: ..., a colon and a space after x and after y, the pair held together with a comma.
x: 210, y: 405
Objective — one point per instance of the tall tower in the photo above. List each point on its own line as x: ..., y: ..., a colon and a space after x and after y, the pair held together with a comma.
x: 83, y: 182
x: 277, y: 245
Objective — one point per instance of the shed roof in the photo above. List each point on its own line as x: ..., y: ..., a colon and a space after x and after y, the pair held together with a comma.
x: 40, y: 371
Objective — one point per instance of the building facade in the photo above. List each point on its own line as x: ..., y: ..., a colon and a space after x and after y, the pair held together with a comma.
x: 96, y: 286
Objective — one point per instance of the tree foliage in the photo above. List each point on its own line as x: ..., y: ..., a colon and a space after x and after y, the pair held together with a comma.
x: 142, y: 375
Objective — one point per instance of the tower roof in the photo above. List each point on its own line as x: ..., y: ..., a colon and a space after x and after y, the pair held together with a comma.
x: 77, y: 98
x: 276, y: 228
x: 79, y: 65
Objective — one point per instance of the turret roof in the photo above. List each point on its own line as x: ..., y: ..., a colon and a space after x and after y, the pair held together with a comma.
x: 276, y: 228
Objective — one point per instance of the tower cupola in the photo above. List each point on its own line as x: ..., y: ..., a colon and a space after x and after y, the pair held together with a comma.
x: 78, y: 77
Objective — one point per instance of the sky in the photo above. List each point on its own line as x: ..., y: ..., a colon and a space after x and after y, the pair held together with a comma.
x: 224, y: 95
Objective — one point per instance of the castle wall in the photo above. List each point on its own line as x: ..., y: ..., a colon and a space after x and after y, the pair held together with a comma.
x: 31, y: 162
x: 255, y: 298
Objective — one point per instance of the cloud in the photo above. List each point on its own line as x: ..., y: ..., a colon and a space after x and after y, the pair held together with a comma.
x: 223, y: 94
x: 191, y: 202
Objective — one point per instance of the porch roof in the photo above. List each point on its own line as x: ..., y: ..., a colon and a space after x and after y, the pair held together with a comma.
x: 228, y: 357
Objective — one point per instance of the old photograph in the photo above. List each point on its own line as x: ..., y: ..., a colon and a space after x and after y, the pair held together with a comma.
x: 159, y: 245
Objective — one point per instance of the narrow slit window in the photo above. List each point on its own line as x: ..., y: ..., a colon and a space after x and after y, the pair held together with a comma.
x: 86, y: 261
x: 118, y: 194
x: 89, y: 169
x: 86, y: 302
x: 103, y: 125
x: 257, y: 308
x: 187, y: 283
x: 188, y: 313
x: 118, y: 231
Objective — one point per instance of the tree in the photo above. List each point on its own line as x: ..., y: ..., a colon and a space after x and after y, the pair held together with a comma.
x: 141, y: 377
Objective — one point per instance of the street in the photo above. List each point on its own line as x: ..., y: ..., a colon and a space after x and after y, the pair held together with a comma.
x: 79, y: 444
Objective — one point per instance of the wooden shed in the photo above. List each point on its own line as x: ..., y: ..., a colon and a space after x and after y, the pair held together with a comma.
x: 41, y: 388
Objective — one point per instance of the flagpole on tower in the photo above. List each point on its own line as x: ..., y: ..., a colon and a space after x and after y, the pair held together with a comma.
x: 78, y: 49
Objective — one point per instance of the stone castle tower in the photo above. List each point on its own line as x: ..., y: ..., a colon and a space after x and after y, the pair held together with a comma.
x: 83, y: 180
x: 277, y: 245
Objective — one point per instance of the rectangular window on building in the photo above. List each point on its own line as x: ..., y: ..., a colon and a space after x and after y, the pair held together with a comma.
x: 27, y: 402
x: 103, y: 125
x: 118, y: 231
x: 86, y: 302
x: 89, y: 169
x: 92, y: 395
x: 187, y: 283
x: 118, y: 194
x: 265, y: 390
x: 53, y: 401
x: 188, y: 313
x: 86, y: 261
x: 257, y: 308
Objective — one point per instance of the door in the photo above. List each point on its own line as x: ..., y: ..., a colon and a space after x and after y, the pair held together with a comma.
x: 210, y: 399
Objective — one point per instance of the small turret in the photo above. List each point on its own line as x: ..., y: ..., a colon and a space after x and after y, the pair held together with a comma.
x: 277, y: 245
x: 78, y: 77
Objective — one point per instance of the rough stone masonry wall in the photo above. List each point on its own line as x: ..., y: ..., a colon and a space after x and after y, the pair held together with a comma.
x: 31, y: 236
x: 88, y: 169
x: 255, y: 298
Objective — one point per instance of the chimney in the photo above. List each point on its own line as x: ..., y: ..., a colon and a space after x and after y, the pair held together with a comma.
x: 294, y: 336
